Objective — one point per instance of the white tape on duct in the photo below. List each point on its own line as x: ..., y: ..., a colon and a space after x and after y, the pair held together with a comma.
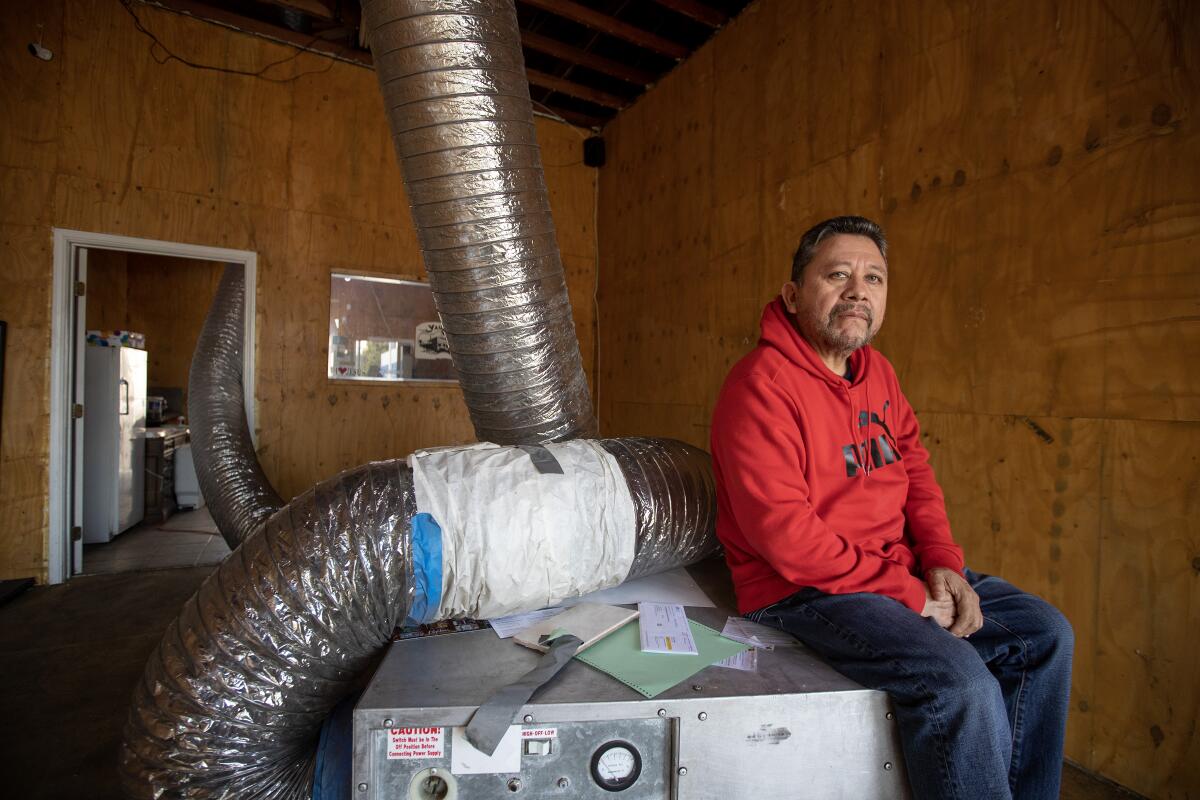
x: 515, y: 538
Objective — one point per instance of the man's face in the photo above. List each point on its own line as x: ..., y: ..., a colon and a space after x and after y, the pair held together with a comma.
x: 840, y: 301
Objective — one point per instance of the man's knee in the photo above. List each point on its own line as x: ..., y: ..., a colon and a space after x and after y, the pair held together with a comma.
x: 1053, y: 630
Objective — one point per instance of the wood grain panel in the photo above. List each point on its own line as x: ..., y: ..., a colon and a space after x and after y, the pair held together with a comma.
x: 29, y: 91
x: 108, y: 290
x: 86, y: 204
x: 223, y: 135
x: 24, y: 428
x: 360, y: 142
x: 1149, y: 608
x: 26, y: 196
x: 1034, y: 165
x: 299, y: 171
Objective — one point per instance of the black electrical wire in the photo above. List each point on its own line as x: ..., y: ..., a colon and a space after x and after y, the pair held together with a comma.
x: 156, y: 44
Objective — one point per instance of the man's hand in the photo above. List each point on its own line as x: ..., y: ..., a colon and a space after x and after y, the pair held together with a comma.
x: 945, y: 587
x: 942, y: 611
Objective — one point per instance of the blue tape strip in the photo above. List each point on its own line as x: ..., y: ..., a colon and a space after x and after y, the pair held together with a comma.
x: 427, y: 569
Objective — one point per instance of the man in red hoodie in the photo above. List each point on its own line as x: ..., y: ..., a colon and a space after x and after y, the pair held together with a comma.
x: 835, y: 530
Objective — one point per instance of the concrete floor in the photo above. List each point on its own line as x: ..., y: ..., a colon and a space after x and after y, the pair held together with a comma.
x: 186, y: 539
x: 72, y: 655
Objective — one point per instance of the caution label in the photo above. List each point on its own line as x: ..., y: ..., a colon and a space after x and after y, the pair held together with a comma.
x: 415, y: 743
x: 539, y: 733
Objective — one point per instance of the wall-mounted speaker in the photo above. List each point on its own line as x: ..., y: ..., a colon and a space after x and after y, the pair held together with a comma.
x: 593, y: 151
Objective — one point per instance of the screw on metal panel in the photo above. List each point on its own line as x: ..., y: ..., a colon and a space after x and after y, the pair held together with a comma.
x: 362, y: 787
x: 890, y: 715
x: 681, y: 771
x: 703, y: 715
x: 528, y: 718
x: 662, y: 712
x: 514, y: 785
x: 887, y: 765
x: 564, y: 783
x: 696, y: 687
x: 387, y: 723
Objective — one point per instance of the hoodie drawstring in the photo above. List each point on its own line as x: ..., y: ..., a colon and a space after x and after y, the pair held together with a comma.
x: 863, y: 455
x: 867, y: 446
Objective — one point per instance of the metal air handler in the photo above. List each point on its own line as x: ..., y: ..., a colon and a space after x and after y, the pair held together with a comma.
x: 793, y: 729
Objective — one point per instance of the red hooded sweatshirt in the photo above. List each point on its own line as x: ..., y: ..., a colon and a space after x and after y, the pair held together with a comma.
x: 823, y: 481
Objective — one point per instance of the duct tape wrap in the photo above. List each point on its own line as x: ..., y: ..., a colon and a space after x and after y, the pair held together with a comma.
x: 518, y: 534
x: 231, y: 700
x: 452, y: 77
x: 238, y: 494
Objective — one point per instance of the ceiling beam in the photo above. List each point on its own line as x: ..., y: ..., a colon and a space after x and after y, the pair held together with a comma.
x: 568, y: 9
x: 614, y: 69
x: 266, y: 30
x: 575, y: 89
x: 698, y: 11
x: 314, y: 8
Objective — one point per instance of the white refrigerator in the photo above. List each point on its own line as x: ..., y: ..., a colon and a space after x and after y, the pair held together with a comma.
x: 114, y: 452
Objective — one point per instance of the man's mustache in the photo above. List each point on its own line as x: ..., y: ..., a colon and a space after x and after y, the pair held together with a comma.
x: 852, y: 308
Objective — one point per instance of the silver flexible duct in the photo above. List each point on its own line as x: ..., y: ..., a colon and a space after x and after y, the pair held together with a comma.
x: 453, y: 81
x: 231, y: 701
x: 674, y: 499
x: 238, y: 494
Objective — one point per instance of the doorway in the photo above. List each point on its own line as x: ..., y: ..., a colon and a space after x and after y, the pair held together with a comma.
x: 112, y: 475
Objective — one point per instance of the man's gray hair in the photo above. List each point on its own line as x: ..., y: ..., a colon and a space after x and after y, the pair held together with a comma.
x: 812, y: 238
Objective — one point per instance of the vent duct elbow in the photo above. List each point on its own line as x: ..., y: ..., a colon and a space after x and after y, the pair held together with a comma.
x: 238, y: 494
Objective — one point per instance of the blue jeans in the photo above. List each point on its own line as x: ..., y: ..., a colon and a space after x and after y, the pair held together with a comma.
x: 980, y: 718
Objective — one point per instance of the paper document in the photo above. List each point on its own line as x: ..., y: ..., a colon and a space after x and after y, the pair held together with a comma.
x: 651, y: 674
x: 672, y: 586
x: 746, y: 661
x: 507, y: 626
x: 759, y: 636
x: 590, y: 622
x: 664, y: 629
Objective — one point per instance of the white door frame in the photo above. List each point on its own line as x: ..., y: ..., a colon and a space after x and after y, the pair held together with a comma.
x: 64, y: 329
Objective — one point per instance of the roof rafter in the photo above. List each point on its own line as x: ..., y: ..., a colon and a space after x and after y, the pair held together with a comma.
x: 575, y: 89
x: 697, y: 11
x: 583, y: 58
x: 568, y: 9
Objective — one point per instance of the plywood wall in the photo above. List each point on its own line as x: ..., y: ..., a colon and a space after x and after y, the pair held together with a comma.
x: 107, y: 290
x: 1037, y: 167
x: 296, y: 165
x: 167, y: 300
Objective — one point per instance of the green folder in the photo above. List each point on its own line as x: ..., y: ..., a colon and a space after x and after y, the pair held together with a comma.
x: 620, y: 655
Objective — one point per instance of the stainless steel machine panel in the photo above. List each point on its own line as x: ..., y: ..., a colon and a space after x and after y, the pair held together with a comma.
x: 793, y: 729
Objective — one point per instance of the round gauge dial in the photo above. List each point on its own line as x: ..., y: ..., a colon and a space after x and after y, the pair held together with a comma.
x: 616, y: 766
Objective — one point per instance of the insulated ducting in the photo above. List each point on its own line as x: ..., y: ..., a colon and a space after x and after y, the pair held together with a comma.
x: 453, y: 81
x: 238, y: 494
x: 231, y: 701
